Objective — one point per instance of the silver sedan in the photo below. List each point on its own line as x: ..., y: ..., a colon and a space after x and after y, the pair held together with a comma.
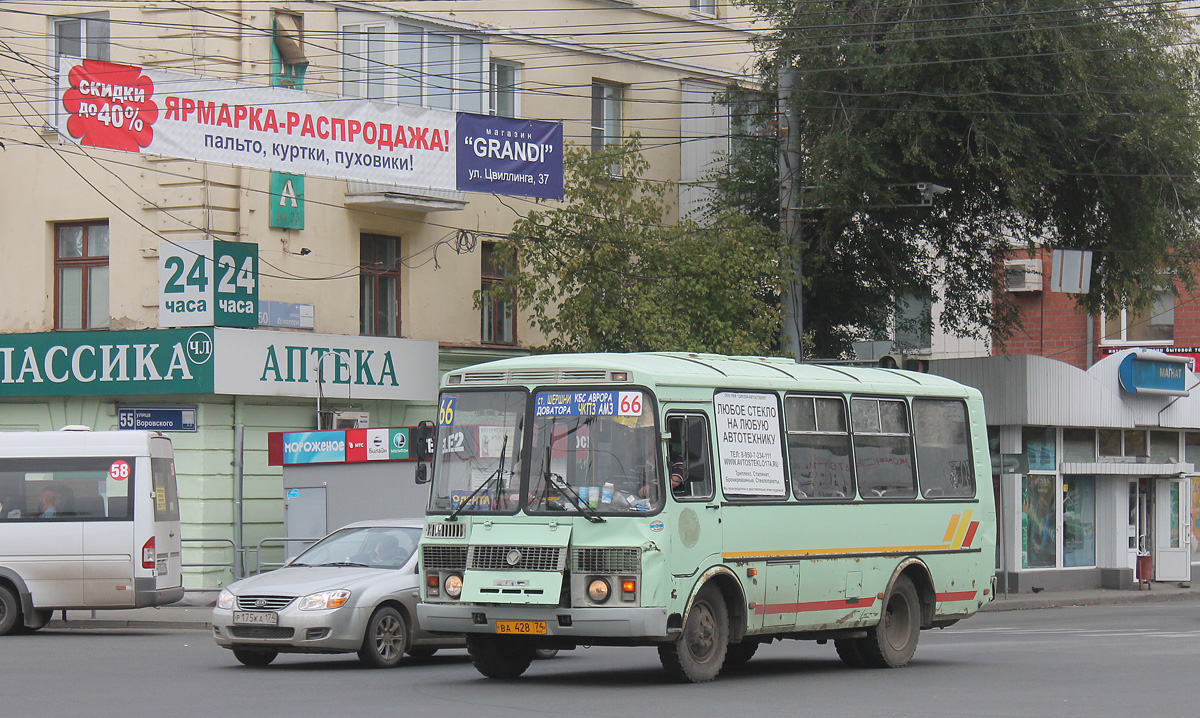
x: 355, y: 590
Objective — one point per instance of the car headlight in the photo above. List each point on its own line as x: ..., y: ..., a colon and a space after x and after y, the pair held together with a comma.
x: 225, y: 599
x: 598, y: 590
x: 453, y: 585
x: 324, y: 600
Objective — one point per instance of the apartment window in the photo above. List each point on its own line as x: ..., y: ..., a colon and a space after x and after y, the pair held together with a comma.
x: 505, y: 79
x: 379, y: 286
x: 84, y: 37
x: 704, y: 7
x: 1155, y: 324
x: 288, y: 62
x: 606, y: 115
x: 383, y: 59
x: 498, y: 320
x: 81, y: 276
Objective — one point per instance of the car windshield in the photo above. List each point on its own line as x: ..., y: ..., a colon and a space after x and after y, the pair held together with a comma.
x: 374, y: 547
x: 476, y: 465
x: 597, y: 449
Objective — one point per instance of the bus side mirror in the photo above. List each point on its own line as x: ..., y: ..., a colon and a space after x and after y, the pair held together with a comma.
x: 424, y: 441
x: 422, y: 476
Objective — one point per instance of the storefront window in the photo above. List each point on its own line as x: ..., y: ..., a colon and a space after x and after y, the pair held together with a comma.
x: 1039, y: 447
x: 1039, y: 543
x: 1191, y: 448
x: 1079, y: 445
x: 1079, y: 521
x: 1110, y: 442
x: 1164, y: 446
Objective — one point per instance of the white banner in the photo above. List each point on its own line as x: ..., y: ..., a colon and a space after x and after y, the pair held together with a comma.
x: 124, y: 107
x: 750, y: 444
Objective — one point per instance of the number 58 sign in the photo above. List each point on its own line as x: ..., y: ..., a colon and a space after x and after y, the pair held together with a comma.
x: 205, y: 283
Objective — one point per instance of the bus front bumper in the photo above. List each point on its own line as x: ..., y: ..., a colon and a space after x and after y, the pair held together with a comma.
x: 606, y: 622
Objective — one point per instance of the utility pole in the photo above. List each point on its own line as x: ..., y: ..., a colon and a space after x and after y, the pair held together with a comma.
x: 790, y: 221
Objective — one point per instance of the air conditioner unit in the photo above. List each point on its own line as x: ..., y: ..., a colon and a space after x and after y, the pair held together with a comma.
x: 342, y: 420
x: 1023, y: 275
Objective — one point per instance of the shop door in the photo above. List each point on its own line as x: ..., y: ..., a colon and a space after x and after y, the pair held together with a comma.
x: 1139, y: 524
x: 1172, y: 534
x: 304, y: 515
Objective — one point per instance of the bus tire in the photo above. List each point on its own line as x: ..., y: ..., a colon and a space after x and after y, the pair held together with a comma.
x: 10, y: 611
x: 850, y: 651
x: 250, y: 657
x: 893, y: 641
x: 499, y: 656
x: 739, y: 654
x: 697, y: 655
x: 384, y: 640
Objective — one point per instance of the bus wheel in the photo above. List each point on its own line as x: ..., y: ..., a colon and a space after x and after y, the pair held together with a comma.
x: 10, y: 611
x: 699, y: 652
x: 894, y: 640
x: 850, y: 651
x: 739, y: 654
x: 248, y: 657
x: 499, y: 656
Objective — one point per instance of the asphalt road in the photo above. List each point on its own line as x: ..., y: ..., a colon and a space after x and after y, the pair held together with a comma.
x: 1116, y: 660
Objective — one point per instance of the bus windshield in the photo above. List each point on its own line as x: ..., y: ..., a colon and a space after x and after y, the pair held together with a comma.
x: 598, y: 448
x: 477, y: 458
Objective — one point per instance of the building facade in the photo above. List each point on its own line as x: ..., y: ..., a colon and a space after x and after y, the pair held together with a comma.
x: 366, y: 291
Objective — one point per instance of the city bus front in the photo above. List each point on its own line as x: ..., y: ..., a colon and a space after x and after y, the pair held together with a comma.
x: 544, y: 526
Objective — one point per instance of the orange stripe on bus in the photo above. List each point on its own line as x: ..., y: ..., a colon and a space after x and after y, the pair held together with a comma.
x: 801, y: 553
x: 950, y: 529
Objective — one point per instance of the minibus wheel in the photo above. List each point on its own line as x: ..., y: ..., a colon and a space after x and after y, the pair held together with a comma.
x: 698, y: 653
x: 499, y: 656
x: 850, y: 651
x: 893, y: 641
x: 10, y: 611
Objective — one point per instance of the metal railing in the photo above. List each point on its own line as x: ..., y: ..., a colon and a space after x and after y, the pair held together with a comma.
x: 260, y: 565
x: 231, y: 565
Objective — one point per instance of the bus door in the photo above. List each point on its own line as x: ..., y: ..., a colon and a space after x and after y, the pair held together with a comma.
x: 695, y: 529
x: 167, y: 556
x: 110, y: 553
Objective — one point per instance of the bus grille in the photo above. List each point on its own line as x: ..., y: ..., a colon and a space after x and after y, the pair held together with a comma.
x: 606, y: 560
x: 444, y: 558
x: 528, y: 558
x: 445, y: 530
x: 266, y: 633
x: 263, y: 603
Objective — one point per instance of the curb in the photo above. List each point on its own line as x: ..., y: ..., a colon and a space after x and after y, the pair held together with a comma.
x: 1025, y: 602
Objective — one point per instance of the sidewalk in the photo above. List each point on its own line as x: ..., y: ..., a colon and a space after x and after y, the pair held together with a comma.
x: 195, y: 610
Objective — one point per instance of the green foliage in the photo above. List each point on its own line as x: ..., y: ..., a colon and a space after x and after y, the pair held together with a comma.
x: 603, y: 272
x: 1057, y: 124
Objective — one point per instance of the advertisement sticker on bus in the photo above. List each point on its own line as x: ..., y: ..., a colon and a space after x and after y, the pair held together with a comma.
x: 588, y: 403
x: 493, y: 440
x: 480, y: 502
x: 749, y: 440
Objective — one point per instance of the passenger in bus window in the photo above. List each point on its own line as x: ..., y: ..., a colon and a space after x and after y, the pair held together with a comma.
x: 49, y: 504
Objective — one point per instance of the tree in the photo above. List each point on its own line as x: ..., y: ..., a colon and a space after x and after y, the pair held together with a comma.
x: 1056, y: 123
x: 603, y: 272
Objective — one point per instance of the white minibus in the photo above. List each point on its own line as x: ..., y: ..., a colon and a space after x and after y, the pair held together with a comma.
x: 88, y: 519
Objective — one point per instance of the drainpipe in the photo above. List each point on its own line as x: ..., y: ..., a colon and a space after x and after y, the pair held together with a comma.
x: 1091, y: 338
x: 239, y: 562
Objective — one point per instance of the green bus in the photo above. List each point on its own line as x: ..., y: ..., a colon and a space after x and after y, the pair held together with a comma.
x: 704, y: 505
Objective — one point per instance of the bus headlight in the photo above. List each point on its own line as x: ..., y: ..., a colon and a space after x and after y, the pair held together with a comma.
x: 225, y: 599
x: 324, y: 599
x: 598, y: 590
x: 453, y: 585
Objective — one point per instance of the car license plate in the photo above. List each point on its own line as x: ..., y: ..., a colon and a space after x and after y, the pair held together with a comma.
x: 262, y: 618
x: 521, y: 627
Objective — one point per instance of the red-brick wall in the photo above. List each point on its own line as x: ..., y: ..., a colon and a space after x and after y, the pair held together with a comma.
x: 1052, y: 327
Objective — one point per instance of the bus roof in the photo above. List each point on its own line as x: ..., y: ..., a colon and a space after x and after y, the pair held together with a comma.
x: 688, y: 369
x: 14, y: 444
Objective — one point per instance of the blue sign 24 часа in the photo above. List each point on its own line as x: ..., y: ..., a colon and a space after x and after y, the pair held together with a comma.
x: 502, y: 155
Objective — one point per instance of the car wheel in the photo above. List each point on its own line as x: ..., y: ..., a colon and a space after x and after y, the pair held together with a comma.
x: 543, y: 654
x: 248, y: 657
x: 10, y: 611
x: 384, y: 642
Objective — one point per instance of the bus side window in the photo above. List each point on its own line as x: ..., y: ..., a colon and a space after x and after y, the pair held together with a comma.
x: 688, y: 449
